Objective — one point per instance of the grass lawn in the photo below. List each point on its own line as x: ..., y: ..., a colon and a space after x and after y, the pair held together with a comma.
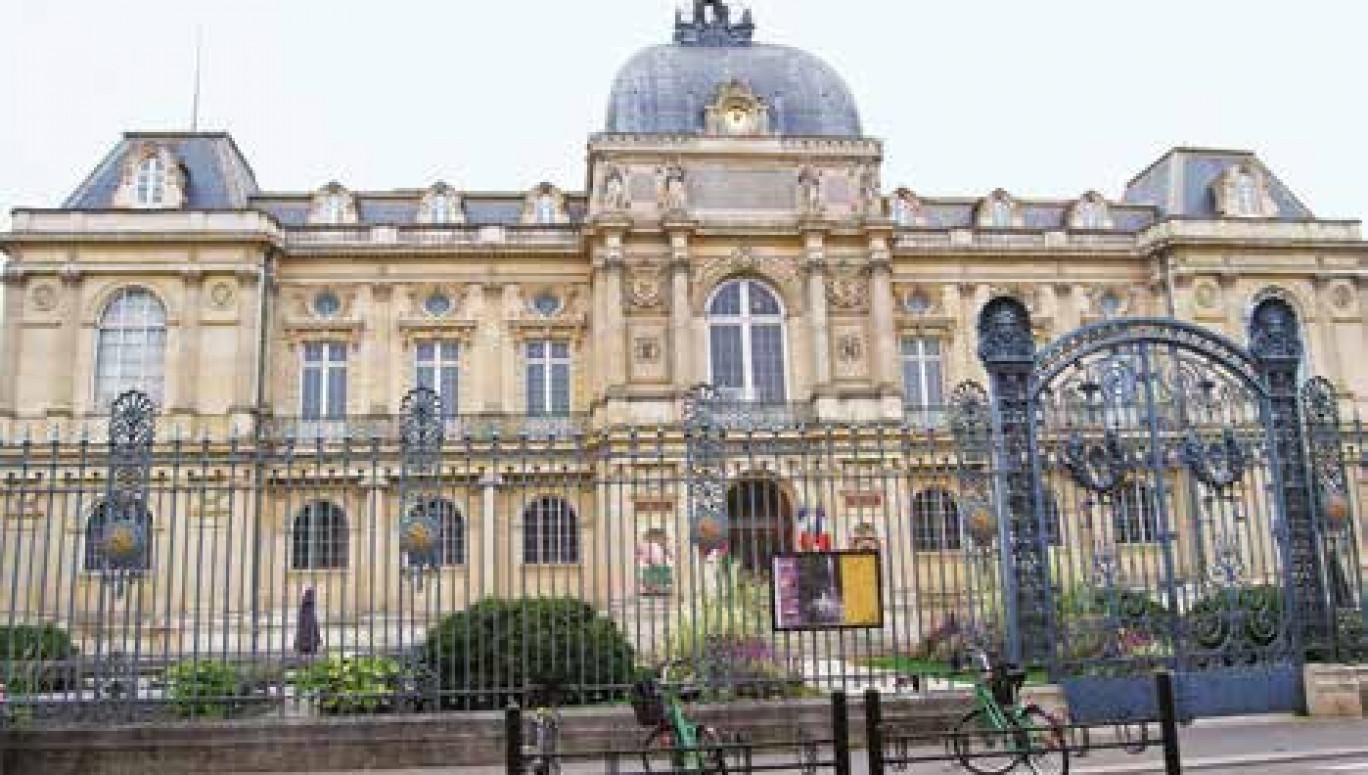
x: 933, y: 668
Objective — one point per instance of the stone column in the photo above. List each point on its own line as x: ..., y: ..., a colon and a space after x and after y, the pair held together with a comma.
x: 248, y: 339
x: 66, y: 395
x: 681, y: 312
x: 615, y: 325
x: 11, y: 283
x: 187, y: 365
x: 819, y: 330
x: 489, y: 535
x: 885, y: 351
x: 384, y: 371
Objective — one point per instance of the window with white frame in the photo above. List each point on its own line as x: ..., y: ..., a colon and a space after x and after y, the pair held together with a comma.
x: 131, y: 347
x: 1135, y: 518
x: 1247, y: 198
x: 746, y: 349
x: 935, y: 522
x: 437, y: 367
x: 922, y: 370
x: 318, y: 538
x: 546, y: 209
x: 441, y: 208
x: 334, y: 208
x: 150, y: 188
x: 548, y: 379
x: 550, y: 533
x: 323, y: 376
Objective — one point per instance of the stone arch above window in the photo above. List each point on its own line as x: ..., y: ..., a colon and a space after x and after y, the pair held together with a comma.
x: 441, y: 204
x: 1090, y: 213
x: 333, y: 205
x: 153, y: 179
x: 935, y: 522
x: 319, y: 538
x: 1242, y: 191
x: 545, y: 206
x: 999, y: 210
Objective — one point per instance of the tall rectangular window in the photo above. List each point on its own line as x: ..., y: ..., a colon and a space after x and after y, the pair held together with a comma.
x: 324, y: 381
x: 923, y: 386
x: 548, y: 379
x: 437, y: 366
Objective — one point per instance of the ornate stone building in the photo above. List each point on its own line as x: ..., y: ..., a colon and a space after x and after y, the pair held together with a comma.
x: 737, y: 231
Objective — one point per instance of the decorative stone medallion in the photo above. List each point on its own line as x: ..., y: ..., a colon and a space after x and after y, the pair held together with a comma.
x: 44, y: 297
x: 221, y: 295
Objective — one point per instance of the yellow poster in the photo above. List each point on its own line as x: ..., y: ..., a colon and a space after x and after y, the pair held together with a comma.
x: 860, y: 584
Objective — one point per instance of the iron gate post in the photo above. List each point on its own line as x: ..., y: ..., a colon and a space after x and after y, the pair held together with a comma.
x: 1276, y: 346
x: 1007, y: 350
x: 1332, y: 511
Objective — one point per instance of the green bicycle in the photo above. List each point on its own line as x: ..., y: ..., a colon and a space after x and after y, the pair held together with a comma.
x: 1000, y: 734
x: 690, y: 746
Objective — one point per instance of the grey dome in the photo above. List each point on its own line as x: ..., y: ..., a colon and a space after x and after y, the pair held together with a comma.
x: 665, y: 89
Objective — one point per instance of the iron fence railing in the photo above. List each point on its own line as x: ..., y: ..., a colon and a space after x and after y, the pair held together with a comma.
x: 215, y: 576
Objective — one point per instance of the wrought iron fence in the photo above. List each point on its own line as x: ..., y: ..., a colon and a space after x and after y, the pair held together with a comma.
x: 433, y: 565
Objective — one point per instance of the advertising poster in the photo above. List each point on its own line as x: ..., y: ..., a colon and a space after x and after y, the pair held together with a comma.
x: 826, y: 591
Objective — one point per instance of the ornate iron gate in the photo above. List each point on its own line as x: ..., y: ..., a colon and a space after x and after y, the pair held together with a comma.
x: 1155, y: 508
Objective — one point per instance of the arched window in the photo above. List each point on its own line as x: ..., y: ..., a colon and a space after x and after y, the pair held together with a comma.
x: 334, y: 208
x: 1000, y: 213
x: 1246, y: 189
x: 550, y: 533
x: 441, y: 208
x: 546, y: 209
x: 935, y: 522
x: 746, y: 342
x: 318, y: 540
x: 100, y: 517
x: 760, y: 518
x: 1135, y: 517
x: 150, y: 190
x: 130, y: 350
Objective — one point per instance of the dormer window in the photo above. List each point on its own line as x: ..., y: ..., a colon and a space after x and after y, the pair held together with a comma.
x: 1242, y: 192
x: 1000, y: 214
x: 151, y: 182
x: 441, y: 205
x: 333, y: 205
x: 1090, y: 213
x: 546, y: 209
x: 904, y: 208
x: 1246, y: 190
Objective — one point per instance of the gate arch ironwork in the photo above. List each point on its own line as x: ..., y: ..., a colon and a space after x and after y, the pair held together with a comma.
x: 1178, y: 463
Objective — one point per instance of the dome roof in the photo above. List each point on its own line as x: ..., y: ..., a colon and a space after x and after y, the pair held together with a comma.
x: 666, y: 89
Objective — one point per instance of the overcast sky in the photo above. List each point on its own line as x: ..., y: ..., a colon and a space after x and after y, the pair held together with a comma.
x: 1045, y: 98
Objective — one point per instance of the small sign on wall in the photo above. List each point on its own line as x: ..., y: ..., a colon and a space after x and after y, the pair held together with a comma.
x: 827, y: 591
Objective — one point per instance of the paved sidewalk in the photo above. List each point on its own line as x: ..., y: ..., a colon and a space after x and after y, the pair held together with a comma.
x: 1249, y: 746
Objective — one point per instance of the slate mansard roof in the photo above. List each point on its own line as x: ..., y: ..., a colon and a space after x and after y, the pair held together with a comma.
x: 218, y: 176
x: 1181, y: 182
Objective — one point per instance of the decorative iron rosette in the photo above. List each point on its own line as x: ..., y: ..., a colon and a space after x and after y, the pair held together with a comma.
x: 1217, y: 464
x: 132, y: 421
x: 422, y: 430
x: 1100, y: 466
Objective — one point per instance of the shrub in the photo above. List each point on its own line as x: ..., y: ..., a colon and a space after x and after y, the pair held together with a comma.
x: 32, y: 655
x: 1242, y: 617
x: 1112, y: 623
x: 485, y: 656
x: 351, y: 685
x: 204, y: 689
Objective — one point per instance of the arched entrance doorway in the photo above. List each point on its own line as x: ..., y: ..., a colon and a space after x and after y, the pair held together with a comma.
x: 761, y: 519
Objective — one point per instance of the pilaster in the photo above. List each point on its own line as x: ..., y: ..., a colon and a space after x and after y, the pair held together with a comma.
x: 885, y: 366
x: 681, y: 318
x: 65, y: 391
x: 187, y: 365
x: 819, y: 330
x: 385, y: 372
x: 12, y: 285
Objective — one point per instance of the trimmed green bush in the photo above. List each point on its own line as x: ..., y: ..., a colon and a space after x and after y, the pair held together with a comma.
x: 203, y: 689
x: 32, y: 655
x: 352, y: 685
x: 484, y: 657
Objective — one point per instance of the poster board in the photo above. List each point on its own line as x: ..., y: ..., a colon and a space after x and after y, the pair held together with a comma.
x: 826, y: 591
